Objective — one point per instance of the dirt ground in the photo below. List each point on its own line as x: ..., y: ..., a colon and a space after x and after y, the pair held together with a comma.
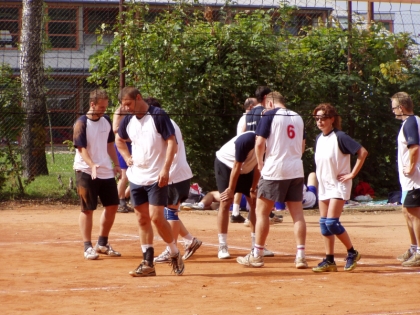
x: 43, y: 270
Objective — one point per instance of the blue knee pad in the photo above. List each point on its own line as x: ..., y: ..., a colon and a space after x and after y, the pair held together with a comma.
x: 171, y: 214
x: 324, y: 229
x: 334, y: 226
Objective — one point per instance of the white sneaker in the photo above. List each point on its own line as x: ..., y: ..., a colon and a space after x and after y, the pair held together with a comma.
x: 247, y: 223
x: 268, y: 253
x: 91, y: 254
x: 107, y: 250
x: 164, y: 257
x: 301, y: 263
x: 223, y: 252
x: 251, y: 261
x: 187, y: 204
x: 198, y: 206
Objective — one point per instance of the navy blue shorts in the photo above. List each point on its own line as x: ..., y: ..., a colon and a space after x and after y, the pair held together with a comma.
x: 153, y: 194
x: 178, y: 192
x: 121, y: 160
x: 90, y: 189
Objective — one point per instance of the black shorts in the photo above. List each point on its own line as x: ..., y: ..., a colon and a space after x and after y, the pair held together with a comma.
x: 222, y: 171
x: 281, y: 190
x: 153, y: 194
x: 178, y: 192
x: 90, y: 189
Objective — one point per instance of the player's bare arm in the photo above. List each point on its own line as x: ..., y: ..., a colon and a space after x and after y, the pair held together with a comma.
x: 170, y: 153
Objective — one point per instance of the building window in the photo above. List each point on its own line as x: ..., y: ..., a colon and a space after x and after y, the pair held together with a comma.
x: 9, y: 27
x: 62, y: 28
x: 94, y: 18
x: 389, y: 25
x: 63, y: 108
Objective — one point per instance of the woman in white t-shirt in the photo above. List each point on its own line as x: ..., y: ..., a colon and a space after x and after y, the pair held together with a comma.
x: 333, y: 148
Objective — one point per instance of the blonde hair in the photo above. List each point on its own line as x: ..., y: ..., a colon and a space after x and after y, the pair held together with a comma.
x: 403, y: 100
x: 276, y: 98
x: 96, y: 95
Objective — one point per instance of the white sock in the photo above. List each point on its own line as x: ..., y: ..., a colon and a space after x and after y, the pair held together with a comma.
x: 418, y: 250
x: 173, y: 250
x: 187, y: 239
x: 145, y: 247
x: 222, y: 239
x: 300, y: 251
x: 258, y: 250
x: 253, y: 240
x: 235, y: 209
x: 413, y: 248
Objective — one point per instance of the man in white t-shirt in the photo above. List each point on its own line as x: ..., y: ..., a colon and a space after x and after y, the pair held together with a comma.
x: 280, y: 138
x: 94, y: 139
x: 409, y: 172
x: 250, y: 102
x: 154, y: 146
x: 179, y: 188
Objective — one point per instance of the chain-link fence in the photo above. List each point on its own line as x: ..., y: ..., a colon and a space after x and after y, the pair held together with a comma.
x: 74, y: 31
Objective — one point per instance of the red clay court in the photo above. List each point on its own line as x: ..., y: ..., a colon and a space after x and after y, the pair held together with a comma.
x: 43, y: 270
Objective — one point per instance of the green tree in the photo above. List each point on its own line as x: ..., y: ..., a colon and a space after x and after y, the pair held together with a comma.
x: 382, y: 63
x: 11, y: 123
x: 203, y: 68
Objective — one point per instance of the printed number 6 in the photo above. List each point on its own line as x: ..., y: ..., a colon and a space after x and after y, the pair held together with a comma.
x: 291, y: 131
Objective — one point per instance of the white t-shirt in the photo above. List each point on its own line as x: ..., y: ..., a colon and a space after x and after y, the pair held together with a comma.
x: 180, y: 170
x: 94, y: 135
x: 408, y: 135
x: 148, y: 137
x: 332, y: 158
x: 240, y: 148
x: 241, y: 124
x: 284, y: 131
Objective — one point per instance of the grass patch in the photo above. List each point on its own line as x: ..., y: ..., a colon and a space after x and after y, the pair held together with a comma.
x: 49, y: 187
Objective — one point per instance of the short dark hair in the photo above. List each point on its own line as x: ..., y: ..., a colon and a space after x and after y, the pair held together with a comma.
x: 152, y: 101
x: 260, y: 92
x: 250, y: 101
x: 129, y: 91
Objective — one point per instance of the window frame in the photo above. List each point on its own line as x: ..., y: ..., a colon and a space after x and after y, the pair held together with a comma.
x: 86, y: 11
x: 390, y: 22
x: 77, y: 27
x: 19, y: 21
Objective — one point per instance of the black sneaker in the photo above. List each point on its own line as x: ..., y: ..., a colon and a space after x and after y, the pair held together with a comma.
x: 351, y: 261
x: 177, y: 264
x: 123, y: 209
x: 237, y: 219
x: 325, y: 266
